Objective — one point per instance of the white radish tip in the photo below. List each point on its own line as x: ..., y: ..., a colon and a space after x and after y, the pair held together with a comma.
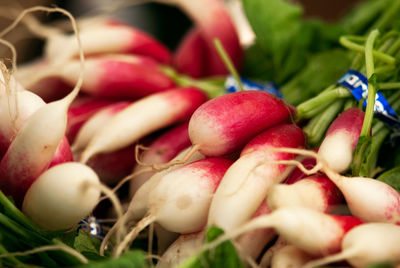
x: 62, y: 196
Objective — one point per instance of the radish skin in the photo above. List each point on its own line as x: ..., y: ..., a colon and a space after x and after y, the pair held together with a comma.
x: 191, y: 55
x: 341, y: 139
x: 252, y: 243
x: 162, y: 150
x: 138, y: 206
x: 368, y: 199
x: 95, y: 123
x: 143, y: 117
x: 251, y: 176
x: 226, y: 123
x: 367, y: 244
x: 180, y: 201
x: 81, y: 109
x: 109, y: 76
x: 62, y: 196
x: 213, y: 20
x: 321, y: 234
x: 106, y: 36
x: 290, y: 257
x: 315, y: 192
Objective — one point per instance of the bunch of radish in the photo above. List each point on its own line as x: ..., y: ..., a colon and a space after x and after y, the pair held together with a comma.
x: 71, y: 128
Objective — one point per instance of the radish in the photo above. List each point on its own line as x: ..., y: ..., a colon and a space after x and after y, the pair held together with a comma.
x: 341, y: 139
x: 368, y: 199
x: 62, y: 196
x: 106, y: 36
x: 190, y: 57
x: 113, y: 167
x: 62, y: 154
x: 365, y: 245
x: 95, y: 123
x: 143, y: 117
x: 252, y: 243
x: 316, y: 192
x: 266, y: 259
x: 164, y: 238
x: 162, y: 150
x: 80, y: 110
x: 180, y: 201
x: 251, y: 176
x: 226, y: 123
x: 314, y: 232
x: 185, y: 246
x: 289, y: 257
x: 110, y: 76
x: 213, y: 20
x: 138, y: 207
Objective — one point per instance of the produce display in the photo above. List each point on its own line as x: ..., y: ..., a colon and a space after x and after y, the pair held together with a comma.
x: 264, y: 139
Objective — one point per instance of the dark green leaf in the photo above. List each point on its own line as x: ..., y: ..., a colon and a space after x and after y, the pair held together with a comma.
x: 361, y: 154
x: 329, y: 65
x: 391, y: 177
x: 274, y: 22
x: 257, y: 64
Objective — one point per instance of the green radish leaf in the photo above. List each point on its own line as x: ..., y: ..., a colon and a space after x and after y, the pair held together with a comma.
x: 391, y: 177
x: 86, y: 243
x: 224, y: 255
x: 257, y: 64
x: 274, y: 22
x: 361, y: 154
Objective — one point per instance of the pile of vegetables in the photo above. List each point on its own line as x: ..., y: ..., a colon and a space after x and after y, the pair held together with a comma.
x: 118, y: 152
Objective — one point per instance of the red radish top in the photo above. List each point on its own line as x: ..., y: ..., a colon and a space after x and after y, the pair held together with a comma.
x: 142, y: 43
x: 226, y: 123
x: 347, y: 222
x: 191, y: 55
x: 350, y: 121
x: 63, y: 153
x: 283, y: 135
x: 168, y: 145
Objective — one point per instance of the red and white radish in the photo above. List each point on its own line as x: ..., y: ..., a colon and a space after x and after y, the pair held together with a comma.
x: 365, y: 245
x: 180, y: 201
x: 226, y: 123
x: 252, y: 243
x: 106, y: 36
x: 80, y: 110
x: 191, y: 55
x: 341, y: 139
x: 316, y: 192
x: 368, y: 199
x: 266, y: 259
x: 110, y: 76
x: 162, y: 150
x: 321, y: 234
x: 138, y: 207
x: 62, y: 196
x: 213, y: 20
x: 247, y: 182
x: 143, y: 117
x: 95, y: 123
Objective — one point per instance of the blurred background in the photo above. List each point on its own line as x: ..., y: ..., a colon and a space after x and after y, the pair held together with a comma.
x: 166, y: 23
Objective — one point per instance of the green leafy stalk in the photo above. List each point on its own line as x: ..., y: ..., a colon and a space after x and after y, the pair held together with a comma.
x: 369, y: 64
x: 228, y: 62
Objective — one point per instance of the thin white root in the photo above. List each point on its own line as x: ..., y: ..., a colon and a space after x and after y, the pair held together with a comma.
x: 298, y: 164
x: 117, y: 206
x: 121, y: 247
x: 61, y: 247
x: 126, y: 179
x: 150, y: 244
x: 161, y: 167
